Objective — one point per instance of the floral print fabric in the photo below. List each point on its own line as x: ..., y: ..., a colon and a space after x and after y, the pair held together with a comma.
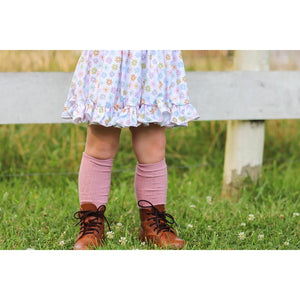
x: 123, y: 88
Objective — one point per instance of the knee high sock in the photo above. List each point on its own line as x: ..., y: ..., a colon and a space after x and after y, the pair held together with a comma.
x: 151, y: 182
x: 94, y: 180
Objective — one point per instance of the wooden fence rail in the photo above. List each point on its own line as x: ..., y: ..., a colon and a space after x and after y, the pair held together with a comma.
x: 38, y: 97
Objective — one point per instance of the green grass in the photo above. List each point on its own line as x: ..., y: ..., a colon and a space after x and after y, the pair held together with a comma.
x: 37, y: 211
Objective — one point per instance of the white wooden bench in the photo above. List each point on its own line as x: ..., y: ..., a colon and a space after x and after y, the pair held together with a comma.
x: 38, y: 97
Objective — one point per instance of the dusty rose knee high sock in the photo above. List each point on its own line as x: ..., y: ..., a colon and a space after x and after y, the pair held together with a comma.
x: 94, y: 180
x: 151, y: 182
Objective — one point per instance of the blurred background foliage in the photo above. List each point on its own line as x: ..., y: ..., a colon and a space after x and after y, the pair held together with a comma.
x: 195, y: 60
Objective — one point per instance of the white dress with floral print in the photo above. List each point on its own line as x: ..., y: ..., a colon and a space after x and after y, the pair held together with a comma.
x: 124, y: 88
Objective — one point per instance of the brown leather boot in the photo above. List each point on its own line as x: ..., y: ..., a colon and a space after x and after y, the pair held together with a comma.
x: 155, y: 226
x: 91, y: 220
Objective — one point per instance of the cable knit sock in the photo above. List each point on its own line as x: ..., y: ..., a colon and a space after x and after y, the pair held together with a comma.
x: 151, y: 182
x: 94, y: 180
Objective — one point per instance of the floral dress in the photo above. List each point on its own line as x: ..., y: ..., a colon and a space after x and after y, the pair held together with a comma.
x: 124, y: 88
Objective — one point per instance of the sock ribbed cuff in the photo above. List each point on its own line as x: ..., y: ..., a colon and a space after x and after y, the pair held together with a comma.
x: 151, y: 182
x: 94, y: 180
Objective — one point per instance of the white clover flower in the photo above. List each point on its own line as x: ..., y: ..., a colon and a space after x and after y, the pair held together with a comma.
x: 110, y: 235
x: 242, y: 235
x: 5, y: 195
x: 208, y: 200
x: 209, y: 228
x: 123, y: 240
x: 190, y: 226
x: 119, y: 225
x: 243, y: 224
x: 286, y: 243
x: 261, y: 237
x: 193, y: 206
x: 295, y: 214
x: 251, y: 217
x: 143, y: 243
x: 61, y: 243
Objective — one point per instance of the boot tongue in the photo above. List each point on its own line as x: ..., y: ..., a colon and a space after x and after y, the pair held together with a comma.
x: 88, y: 206
x: 160, y: 207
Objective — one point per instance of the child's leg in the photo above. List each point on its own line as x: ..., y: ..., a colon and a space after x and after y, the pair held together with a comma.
x: 151, y: 184
x: 94, y: 184
x: 151, y: 179
x: 96, y: 164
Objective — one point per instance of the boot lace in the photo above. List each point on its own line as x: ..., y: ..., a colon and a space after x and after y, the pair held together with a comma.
x: 162, y: 220
x: 89, y: 225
